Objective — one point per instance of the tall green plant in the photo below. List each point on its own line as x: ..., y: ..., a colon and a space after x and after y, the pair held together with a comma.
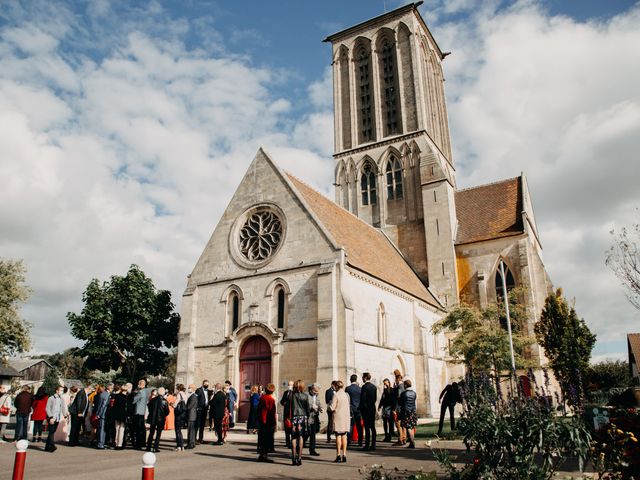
x: 567, y: 342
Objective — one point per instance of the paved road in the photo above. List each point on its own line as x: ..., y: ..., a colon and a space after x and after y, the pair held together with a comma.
x: 235, y: 460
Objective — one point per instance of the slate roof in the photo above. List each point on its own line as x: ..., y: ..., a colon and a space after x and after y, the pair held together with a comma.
x: 21, y: 364
x: 8, y: 371
x: 490, y: 211
x: 368, y: 249
x: 634, y: 346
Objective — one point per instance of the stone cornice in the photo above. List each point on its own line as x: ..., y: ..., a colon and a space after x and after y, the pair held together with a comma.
x: 388, y: 288
x: 381, y: 143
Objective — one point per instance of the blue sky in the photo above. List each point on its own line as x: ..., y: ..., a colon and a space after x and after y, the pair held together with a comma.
x: 126, y: 126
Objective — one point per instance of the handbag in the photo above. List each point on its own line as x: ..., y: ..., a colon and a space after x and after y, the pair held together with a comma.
x: 4, y: 410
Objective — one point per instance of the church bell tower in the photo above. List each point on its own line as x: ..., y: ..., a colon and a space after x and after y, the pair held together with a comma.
x: 393, y: 163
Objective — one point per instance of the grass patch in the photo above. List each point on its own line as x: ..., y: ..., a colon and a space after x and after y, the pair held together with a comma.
x: 430, y: 430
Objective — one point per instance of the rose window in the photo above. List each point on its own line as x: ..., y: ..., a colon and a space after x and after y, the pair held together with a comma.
x: 260, y: 235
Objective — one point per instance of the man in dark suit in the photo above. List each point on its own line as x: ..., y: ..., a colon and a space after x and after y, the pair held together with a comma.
x: 218, y: 405
x: 449, y: 397
x: 158, y: 411
x: 368, y: 398
x: 192, y: 417
x: 100, y: 409
x: 78, y: 411
x: 203, y: 408
x: 353, y: 391
x: 328, y: 396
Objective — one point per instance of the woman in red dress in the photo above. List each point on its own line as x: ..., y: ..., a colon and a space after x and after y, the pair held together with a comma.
x: 39, y: 415
x: 266, y: 423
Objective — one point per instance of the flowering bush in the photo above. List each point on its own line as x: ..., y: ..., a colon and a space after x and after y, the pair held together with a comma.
x: 615, y: 452
x: 514, y: 437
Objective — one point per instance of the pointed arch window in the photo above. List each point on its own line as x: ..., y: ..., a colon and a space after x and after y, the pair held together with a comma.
x: 389, y: 82
x: 394, y: 179
x: 233, y: 308
x: 368, y: 185
x: 382, y: 325
x: 281, y: 298
x: 366, y: 95
x: 509, y: 281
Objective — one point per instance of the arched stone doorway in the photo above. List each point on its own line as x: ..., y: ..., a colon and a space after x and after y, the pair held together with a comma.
x: 255, y: 369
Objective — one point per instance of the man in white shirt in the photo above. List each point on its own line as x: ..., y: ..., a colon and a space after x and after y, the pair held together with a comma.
x: 56, y: 410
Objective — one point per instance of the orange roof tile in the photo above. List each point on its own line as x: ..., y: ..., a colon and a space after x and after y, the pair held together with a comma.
x: 489, y: 211
x: 634, y: 345
x: 367, y: 248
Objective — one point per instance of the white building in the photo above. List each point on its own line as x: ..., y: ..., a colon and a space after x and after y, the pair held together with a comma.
x: 292, y: 285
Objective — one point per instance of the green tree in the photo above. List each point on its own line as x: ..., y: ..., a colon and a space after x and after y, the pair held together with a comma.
x: 14, y: 330
x: 610, y: 374
x: 567, y: 342
x: 482, y: 340
x: 127, y: 325
x: 51, y: 381
x: 69, y: 363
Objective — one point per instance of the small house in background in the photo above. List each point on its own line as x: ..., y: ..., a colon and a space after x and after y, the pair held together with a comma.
x: 8, y: 374
x: 31, y: 370
x: 633, y: 342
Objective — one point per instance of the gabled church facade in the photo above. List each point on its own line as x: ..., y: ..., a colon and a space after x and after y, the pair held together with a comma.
x: 293, y: 285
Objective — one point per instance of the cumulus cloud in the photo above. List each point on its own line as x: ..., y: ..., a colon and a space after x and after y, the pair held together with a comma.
x: 127, y: 155
x: 128, y: 149
x: 557, y: 99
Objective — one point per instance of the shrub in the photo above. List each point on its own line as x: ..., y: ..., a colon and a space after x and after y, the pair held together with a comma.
x: 514, y: 437
x: 615, y: 452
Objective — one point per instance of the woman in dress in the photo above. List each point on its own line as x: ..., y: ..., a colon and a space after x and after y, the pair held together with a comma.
x: 6, y: 405
x: 180, y: 414
x: 62, y: 432
x: 39, y: 415
x: 408, y: 415
x: 118, y: 414
x: 227, y: 415
x: 169, y: 423
x: 341, y: 420
x: 254, y: 399
x: 299, y: 409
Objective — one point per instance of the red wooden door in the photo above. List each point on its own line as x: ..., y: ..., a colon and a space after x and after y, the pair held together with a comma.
x: 255, y: 369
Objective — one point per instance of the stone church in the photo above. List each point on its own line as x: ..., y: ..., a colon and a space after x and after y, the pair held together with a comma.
x: 294, y: 285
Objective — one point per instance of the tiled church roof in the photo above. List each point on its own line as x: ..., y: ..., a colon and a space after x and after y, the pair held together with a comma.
x: 634, y: 346
x: 368, y: 249
x: 489, y: 211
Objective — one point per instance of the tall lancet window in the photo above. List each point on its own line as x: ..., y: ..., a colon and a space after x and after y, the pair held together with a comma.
x: 368, y: 185
x: 389, y: 82
x: 281, y: 297
x: 394, y: 179
x: 382, y: 325
x: 235, y: 310
x: 365, y: 95
x: 509, y: 280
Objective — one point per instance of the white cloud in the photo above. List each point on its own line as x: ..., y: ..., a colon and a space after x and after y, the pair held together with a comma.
x: 559, y: 100
x: 128, y: 150
x: 129, y: 158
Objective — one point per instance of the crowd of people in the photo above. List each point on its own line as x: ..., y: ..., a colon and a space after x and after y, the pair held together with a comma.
x: 350, y: 411
x: 116, y: 416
